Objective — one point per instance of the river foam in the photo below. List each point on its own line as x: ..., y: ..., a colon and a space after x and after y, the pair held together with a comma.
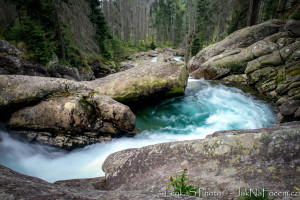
x: 207, y: 107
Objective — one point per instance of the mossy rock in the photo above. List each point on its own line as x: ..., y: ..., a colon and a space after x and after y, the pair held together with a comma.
x: 156, y: 81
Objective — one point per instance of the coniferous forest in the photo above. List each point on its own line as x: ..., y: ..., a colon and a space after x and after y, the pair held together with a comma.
x: 122, y: 26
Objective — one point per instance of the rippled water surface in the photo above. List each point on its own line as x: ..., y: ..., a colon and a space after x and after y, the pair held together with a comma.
x: 206, y: 107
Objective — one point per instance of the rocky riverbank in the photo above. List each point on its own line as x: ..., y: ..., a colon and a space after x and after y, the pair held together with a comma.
x: 265, y: 56
x: 12, y: 62
x: 222, y: 163
x: 71, y: 114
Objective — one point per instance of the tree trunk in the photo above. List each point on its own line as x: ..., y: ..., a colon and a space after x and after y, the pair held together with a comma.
x: 59, y: 32
x: 253, y: 12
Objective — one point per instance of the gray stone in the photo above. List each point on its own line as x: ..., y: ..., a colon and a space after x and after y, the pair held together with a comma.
x: 273, y: 59
x: 262, y: 156
x: 6, y: 47
x: 239, y: 39
x: 19, y: 186
x: 65, y: 72
x: 297, y: 113
x: 289, y: 107
x: 293, y: 27
x: 10, y: 65
x: 75, y: 115
x: 282, y: 42
x: 236, y: 78
x: 289, y: 50
x: 143, y: 82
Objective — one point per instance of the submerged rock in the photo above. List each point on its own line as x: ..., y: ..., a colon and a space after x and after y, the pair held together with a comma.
x: 225, y: 161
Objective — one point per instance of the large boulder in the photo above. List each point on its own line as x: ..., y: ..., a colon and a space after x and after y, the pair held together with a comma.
x: 15, y: 185
x: 60, y: 112
x: 236, y: 61
x: 293, y: 27
x: 264, y: 158
x: 19, y: 91
x: 7, y: 48
x: 143, y: 83
x: 239, y: 39
x: 10, y: 65
x: 89, y: 118
x: 62, y: 71
x: 14, y: 65
x: 289, y: 111
x: 165, y: 57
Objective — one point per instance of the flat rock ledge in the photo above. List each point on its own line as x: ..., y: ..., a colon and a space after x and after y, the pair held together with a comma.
x: 223, y: 162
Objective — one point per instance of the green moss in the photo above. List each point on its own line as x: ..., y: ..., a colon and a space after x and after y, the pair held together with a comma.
x: 280, y: 79
x: 176, y: 91
x: 83, y: 104
x: 246, y: 151
x: 235, y: 66
x: 271, y: 169
x: 65, y: 94
x: 91, y: 94
x: 297, y: 96
x: 295, y: 15
x: 285, y: 16
x: 235, y: 159
x: 124, y: 98
x: 294, y: 72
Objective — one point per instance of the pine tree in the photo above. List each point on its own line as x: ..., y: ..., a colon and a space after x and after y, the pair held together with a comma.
x: 102, y: 34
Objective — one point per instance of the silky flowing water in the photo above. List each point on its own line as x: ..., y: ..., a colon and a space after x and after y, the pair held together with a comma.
x: 205, y: 108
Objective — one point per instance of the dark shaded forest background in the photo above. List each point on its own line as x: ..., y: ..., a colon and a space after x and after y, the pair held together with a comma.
x: 80, y: 31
